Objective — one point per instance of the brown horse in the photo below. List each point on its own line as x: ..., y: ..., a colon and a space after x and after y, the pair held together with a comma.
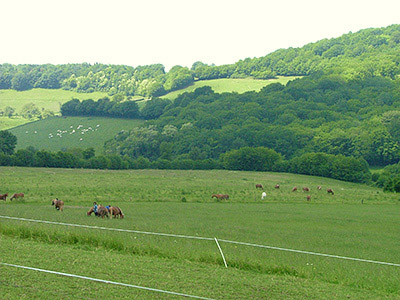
x: 116, y: 212
x: 3, y: 197
x: 59, y: 204
x: 90, y: 211
x: 259, y: 186
x: 102, y: 212
x: 17, y: 195
x: 330, y: 191
x: 220, y: 196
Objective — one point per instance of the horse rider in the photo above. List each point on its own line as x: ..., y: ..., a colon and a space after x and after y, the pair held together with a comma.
x: 95, y: 208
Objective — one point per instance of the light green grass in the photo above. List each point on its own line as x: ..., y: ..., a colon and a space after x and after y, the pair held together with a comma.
x: 152, y: 200
x: 7, y: 123
x: 102, y: 129
x: 231, y: 85
x: 43, y: 98
x: 167, y: 274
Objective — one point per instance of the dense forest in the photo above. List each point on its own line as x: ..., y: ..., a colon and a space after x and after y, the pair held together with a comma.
x: 369, y: 52
x: 327, y: 114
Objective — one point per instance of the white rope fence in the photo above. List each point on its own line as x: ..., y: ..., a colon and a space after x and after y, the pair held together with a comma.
x: 208, y: 239
x: 105, y: 281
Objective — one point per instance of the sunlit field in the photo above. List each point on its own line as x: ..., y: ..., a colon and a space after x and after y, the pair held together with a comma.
x: 358, y: 221
x: 60, y: 133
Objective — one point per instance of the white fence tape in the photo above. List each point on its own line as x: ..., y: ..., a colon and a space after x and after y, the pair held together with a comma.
x: 208, y: 239
x: 105, y: 281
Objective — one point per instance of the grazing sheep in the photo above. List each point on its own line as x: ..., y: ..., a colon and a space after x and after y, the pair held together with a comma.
x: 277, y: 186
x: 294, y: 189
x: 306, y: 189
x: 263, y: 195
x: 259, y: 186
x: 330, y: 191
x: 308, y: 197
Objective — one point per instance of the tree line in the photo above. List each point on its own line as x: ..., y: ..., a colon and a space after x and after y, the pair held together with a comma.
x: 369, y: 52
x: 246, y: 159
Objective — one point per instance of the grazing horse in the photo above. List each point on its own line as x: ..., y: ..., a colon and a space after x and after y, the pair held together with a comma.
x: 102, y: 212
x: 90, y: 211
x: 17, y: 195
x: 306, y: 189
x: 220, y: 196
x: 259, y: 186
x: 59, y: 204
x: 330, y: 191
x: 3, y: 197
x: 294, y: 189
x: 116, y: 212
x: 277, y: 186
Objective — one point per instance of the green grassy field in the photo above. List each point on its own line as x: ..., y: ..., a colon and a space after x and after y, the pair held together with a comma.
x: 58, y: 133
x: 46, y: 98
x: 42, y: 98
x: 180, y: 202
x: 231, y: 85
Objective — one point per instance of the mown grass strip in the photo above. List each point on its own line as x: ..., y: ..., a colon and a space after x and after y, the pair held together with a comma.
x: 105, y: 281
x: 208, y: 239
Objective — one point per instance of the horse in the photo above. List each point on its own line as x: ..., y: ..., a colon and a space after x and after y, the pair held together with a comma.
x: 90, y: 211
x: 277, y: 186
x: 17, y: 195
x: 116, y: 212
x: 3, y: 196
x: 330, y: 191
x: 59, y: 204
x: 102, y: 212
x: 259, y: 186
x: 220, y: 196
x: 294, y: 189
x: 306, y: 189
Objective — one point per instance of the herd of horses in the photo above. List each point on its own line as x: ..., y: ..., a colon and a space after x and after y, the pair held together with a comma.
x: 102, y: 211
x: 277, y: 186
x: 14, y: 196
x: 106, y: 211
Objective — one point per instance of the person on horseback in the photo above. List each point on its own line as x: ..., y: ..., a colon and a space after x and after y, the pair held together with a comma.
x: 95, y: 208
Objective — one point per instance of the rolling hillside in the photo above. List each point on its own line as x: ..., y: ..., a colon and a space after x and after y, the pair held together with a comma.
x: 59, y: 133
x: 228, y: 85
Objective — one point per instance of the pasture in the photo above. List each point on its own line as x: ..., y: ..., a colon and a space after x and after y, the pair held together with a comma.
x: 59, y: 133
x: 180, y: 202
x: 228, y: 85
x: 43, y: 98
